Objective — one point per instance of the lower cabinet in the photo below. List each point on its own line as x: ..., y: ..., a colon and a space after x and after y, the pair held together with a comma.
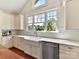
x: 31, y: 48
x: 28, y: 49
x: 7, y: 41
x: 36, y: 51
x: 69, y: 52
x: 17, y: 42
x: 34, y: 48
x: 33, y: 51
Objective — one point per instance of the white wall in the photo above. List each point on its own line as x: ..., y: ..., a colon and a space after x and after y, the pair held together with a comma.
x: 72, y: 14
x: 67, y: 21
x: 28, y: 9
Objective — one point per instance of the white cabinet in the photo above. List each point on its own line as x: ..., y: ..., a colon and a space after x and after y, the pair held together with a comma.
x: 18, y: 43
x: 22, y: 22
x: 30, y: 47
x: 7, y: 41
x: 7, y: 20
x: 15, y: 41
x: 0, y: 36
x: 69, y: 52
x: 0, y: 40
x: 18, y: 22
x: 11, y: 21
x: 15, y: 22
x: 36, y: 51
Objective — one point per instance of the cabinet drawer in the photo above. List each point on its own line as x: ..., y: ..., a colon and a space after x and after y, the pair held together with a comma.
x: 68, y: 55
x: 34, y: 43
x: 31, y: 42
x: 68, y: 52
x: 69, y: 48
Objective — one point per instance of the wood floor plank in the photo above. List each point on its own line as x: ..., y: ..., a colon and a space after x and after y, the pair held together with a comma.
x: 7, y: 54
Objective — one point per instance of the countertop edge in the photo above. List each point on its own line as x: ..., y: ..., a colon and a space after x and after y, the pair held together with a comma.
x: 60, y: 41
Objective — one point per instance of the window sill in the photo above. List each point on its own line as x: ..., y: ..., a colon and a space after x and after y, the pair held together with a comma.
x: 48, y: 31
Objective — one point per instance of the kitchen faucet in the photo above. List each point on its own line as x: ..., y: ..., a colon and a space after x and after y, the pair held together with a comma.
x: 35, y: 31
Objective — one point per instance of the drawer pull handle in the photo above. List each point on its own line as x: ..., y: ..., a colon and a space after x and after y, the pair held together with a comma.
x: 70, y: 48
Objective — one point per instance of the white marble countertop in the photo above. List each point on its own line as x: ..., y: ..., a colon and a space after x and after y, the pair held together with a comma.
x: 60, y: 41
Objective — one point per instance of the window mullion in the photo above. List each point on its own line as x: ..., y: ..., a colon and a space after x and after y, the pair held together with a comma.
x: 33, y: 23
x: 45, y: 21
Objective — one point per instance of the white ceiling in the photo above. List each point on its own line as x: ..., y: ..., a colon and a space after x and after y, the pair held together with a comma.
x: 12, y: 5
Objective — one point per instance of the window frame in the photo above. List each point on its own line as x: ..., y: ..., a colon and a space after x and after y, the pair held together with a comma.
x: 29, y: 23
x: 40, y: 22
x: 56, y: 21
x: 40, y: 6
x: 45, y: 12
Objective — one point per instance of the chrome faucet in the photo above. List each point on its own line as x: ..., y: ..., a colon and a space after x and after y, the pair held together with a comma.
x: 35, y: 31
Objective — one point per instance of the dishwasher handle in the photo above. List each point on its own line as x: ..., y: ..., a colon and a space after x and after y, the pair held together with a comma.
x: 50, y: 44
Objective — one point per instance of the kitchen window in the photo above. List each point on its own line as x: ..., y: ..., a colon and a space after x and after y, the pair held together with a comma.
x: 46, y: 21
x: 39, y: 22
x: 30, y: 23
x: 51, y: 21
x: 39, y: 3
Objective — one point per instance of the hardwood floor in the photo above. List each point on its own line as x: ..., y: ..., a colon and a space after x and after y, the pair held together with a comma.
x: 21, y: 53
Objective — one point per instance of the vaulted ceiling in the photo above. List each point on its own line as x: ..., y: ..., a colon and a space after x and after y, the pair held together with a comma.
x: 13, y: 6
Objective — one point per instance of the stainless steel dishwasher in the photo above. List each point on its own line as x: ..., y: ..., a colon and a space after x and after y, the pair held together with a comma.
x: 50, y: 50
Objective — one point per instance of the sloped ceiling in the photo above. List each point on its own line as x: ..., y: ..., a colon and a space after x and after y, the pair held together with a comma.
x: 13, y: 6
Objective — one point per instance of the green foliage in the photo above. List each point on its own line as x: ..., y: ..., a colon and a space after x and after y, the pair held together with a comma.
x: 50, y: 25
x: 39, y: 27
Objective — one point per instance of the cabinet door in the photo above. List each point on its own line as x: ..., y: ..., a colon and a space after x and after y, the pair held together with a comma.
x: 7, y: 21
x: 0, y: 36
x: 18, y: 22
x: 18, y: 43
x: 15, y: 22
x: 1, y: 19
x: 7, y: 42
x: 69, y: 52
x: 22, y: 22
x: 21, y: 44
x: 36, y: 51
x: 28, y: 49
x: 10, y: 42
x: 15, y: 41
